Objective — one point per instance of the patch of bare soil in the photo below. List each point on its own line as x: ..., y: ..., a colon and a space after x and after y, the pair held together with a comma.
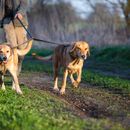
x: 89, y: 101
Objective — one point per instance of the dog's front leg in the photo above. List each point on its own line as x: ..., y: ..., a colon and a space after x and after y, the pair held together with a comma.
x: 72, y: 79
x: 62, y: 91
x: 15, y: 81
x: 2, y: 82
x: 74, y: 83
x: 79, y: 73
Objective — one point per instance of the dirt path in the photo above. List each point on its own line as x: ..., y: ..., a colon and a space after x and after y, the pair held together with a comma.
x: 89, y: 101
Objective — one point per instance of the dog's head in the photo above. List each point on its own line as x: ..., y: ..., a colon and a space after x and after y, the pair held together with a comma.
x: 5, y: 53
x: 81, y: 50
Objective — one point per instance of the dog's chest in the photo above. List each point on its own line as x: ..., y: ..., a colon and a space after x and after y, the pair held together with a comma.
x: 74, y: 66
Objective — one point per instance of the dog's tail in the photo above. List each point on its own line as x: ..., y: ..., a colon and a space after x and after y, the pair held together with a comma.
x: 34, y: 55
x: 22, y: 52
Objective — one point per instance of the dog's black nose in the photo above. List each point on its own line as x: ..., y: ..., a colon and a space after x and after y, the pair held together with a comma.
x: 4, y: 58
x: 1, y: 58
x: 83, y: 56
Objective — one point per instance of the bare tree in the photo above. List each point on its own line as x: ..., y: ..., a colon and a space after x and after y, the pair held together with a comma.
x: 60, y: 22
x: 53, y: 21
x: 124, y: 5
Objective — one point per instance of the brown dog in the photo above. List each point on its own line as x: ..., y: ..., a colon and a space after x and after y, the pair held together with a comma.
x: 71, y: 58
x: 9, y: 61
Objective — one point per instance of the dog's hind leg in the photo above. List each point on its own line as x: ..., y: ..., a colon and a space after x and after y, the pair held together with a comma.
x: 56, y: 69
x: 13, y: 83
x: 20, y: 61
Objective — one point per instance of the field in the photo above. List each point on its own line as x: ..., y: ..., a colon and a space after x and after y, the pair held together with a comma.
x: 102, y: 102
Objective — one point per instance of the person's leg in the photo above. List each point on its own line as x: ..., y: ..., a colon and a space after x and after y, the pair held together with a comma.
x: 11, y: 37
x: 21, y: 38
x: 10, y: 34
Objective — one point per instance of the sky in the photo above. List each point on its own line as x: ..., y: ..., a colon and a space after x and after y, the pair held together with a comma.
x: 82, y: 7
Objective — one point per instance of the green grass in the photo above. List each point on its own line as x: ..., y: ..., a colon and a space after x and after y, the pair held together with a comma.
x: 39, y: 110
x: 112, y: 54
x: 41, y: 52
x: 113, y: 83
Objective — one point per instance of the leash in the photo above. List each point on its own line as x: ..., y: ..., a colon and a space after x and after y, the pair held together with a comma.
x: 33, y: 38
x: 29, y: 34
x: 21, y: 44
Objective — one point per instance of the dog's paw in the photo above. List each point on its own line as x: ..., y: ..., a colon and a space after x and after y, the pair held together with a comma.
x: 3, y: 87
x: 62, y: 91
x: 19, y: 92
x: 56, y: 89
x: 75, y: 84
x: 13, y: 88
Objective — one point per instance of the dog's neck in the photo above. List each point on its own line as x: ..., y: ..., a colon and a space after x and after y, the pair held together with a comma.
x: 2, y: 68
x: 75, y: 59
x: 73, y: 56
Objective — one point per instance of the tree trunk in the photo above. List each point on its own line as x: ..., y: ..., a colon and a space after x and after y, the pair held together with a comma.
x: 127, y: 18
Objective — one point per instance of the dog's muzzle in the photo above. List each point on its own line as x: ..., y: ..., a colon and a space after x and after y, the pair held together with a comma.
x: 3, y: 58
x: 84, y: 57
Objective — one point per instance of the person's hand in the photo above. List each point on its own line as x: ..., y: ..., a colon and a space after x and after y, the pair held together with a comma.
x: 19, y: 15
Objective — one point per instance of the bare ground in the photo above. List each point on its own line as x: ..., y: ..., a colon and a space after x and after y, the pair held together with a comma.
x: 87, y: 101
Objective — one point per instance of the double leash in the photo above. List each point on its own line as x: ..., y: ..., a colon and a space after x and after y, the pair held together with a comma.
x: 33, y: 38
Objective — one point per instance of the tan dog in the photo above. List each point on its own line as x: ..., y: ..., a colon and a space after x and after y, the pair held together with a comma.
x: 71, y: 58
x: 9, y: 61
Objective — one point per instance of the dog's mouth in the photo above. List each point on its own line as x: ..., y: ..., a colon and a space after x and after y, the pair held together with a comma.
x: 5, y: 62
x: 83, y: 57
x: 3, y: 59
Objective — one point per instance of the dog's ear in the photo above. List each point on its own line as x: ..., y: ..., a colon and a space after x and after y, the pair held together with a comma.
x: 73, y: 48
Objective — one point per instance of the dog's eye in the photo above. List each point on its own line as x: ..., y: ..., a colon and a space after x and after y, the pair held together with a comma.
x: 1, y: 51
x: 7, y: 51
x: 86, y: 49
